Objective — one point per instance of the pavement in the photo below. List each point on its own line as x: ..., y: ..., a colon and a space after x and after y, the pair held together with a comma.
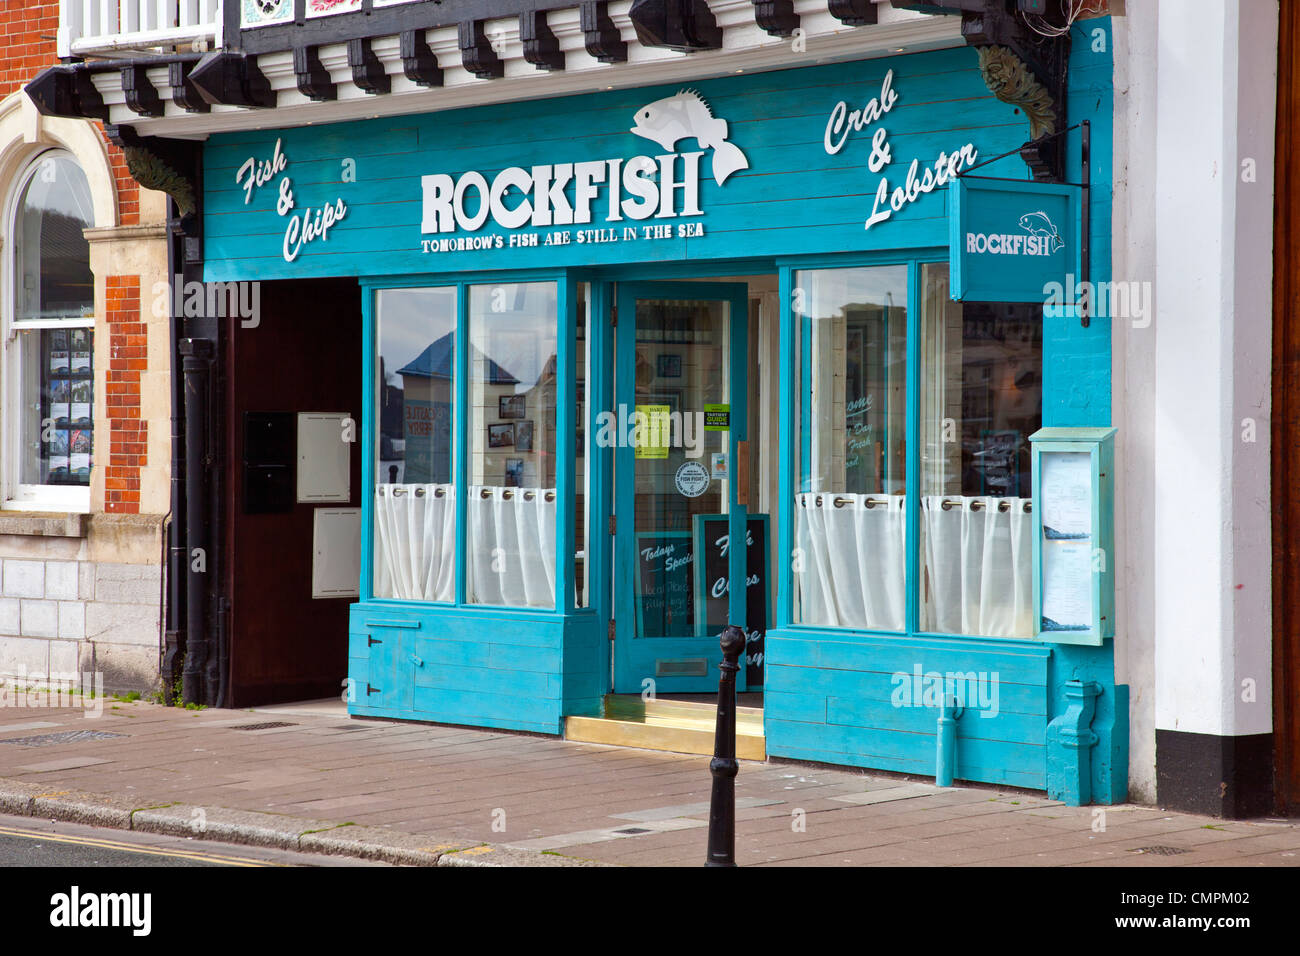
x: 309, y: 779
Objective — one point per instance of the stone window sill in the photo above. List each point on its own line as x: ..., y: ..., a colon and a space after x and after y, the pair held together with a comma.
x: 45, y: 523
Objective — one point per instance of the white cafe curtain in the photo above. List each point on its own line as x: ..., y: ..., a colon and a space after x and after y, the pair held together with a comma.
x: 976, y: 566
x: 415, y: 542
x: 853, y: 562
x: 511, y: 544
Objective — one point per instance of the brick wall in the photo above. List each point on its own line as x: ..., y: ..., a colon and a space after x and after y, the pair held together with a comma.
x: 27, y: 45
x: 127, y: 431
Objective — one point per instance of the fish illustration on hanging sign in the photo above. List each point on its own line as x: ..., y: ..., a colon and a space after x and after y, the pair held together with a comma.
x: 685, y: 115
x: 1038, y: 224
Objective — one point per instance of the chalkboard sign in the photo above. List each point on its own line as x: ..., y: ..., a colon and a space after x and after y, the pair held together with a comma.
x: 711, y: 584
x: 665, y: 600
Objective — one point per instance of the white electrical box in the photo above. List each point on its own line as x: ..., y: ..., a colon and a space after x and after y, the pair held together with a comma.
x: 336, y: 553
x: 325, y: 441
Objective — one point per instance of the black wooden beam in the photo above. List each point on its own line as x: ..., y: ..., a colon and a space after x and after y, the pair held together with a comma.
x: 311, y: 76
x: 367, y: 69
x: 777, y: 17
x: 418, y: 61
x: 184, y: 93
x: 140, y: 94
x: 683, y: 25
x: 853, y: 13
x: 67, y: 91
x: 476, y: 52
x: 233, y: 79
x: 541, y: 48
x: 599, y: 33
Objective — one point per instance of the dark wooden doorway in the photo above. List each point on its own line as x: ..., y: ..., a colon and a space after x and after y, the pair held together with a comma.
x: 1286, y: 422
x: 303, y: 356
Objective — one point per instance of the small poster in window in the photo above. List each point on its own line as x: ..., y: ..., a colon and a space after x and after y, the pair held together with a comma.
x: 80, y: 338
x: 81, y: 413
x: 81, y: 361
x: 60, y: 414
x: 501, y: 435
x: 60, y: 390
x: 80, y: 442
x: 512, y: 406
x: 524, y: 436
x: 80, y: 466
x: 59, y: 443
x: 514, y: 472
x: 59, y: 467
x: 59, y: 361
x: 81, y: 391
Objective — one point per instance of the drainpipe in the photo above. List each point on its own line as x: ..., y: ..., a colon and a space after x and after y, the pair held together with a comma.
x: 197, y: 357
x: 176, y: 564
x: 946, y: 757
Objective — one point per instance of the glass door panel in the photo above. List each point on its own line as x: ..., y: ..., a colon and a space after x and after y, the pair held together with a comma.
x: 680, y: 397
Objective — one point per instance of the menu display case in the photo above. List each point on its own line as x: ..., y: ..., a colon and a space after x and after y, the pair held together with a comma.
x: 1073, y: 474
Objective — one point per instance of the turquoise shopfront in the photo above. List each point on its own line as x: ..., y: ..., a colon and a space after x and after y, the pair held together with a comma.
x: 604, y: 336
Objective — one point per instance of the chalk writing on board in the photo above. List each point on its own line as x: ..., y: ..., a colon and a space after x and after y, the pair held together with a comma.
x: 665, y: 597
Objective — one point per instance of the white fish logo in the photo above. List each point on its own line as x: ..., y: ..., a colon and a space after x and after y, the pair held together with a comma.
x: 685, y: 115
x: 1038, y: 224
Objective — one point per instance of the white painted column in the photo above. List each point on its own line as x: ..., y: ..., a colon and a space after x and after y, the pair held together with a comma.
x: 1210, y: 498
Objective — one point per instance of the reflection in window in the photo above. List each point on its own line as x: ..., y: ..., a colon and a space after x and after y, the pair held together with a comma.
x: 415, y: 510
x: 54, y: 308
x: 851, y: 400
x: 511, y: 508
x: 981, y: 399
x: 52, y: 258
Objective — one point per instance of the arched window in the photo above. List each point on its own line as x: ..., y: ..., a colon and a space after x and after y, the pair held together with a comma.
x: 49, y: 394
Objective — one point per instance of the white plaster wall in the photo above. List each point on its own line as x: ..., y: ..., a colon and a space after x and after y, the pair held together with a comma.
x: 1252, y: 604
x: 1134, y: 383
x: 1210, y: 498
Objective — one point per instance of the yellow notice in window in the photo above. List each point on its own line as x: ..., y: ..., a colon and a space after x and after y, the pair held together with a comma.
x: 651, y: 433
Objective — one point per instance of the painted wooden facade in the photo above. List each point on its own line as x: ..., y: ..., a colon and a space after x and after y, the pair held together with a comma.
x: 796, y: 203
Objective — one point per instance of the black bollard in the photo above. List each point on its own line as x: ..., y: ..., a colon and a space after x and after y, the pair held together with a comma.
x: 723, y: 766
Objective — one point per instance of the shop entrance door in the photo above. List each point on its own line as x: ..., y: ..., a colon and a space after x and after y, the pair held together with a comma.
x: 680, y: 403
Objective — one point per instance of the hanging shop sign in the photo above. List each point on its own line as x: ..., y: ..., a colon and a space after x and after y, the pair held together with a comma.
x: 844, y: 157
x: 1013, y: 241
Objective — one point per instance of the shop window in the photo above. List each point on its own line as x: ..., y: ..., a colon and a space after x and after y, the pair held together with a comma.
x: 511, y: 445
x: 415, y: 464
x: 49, y: 352
x: 850, y: 476
x: 981, y: 399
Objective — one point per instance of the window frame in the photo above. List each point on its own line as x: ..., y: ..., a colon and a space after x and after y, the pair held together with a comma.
x: 16, y: 495
x: 787, y: 268
x: 566, y: 321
